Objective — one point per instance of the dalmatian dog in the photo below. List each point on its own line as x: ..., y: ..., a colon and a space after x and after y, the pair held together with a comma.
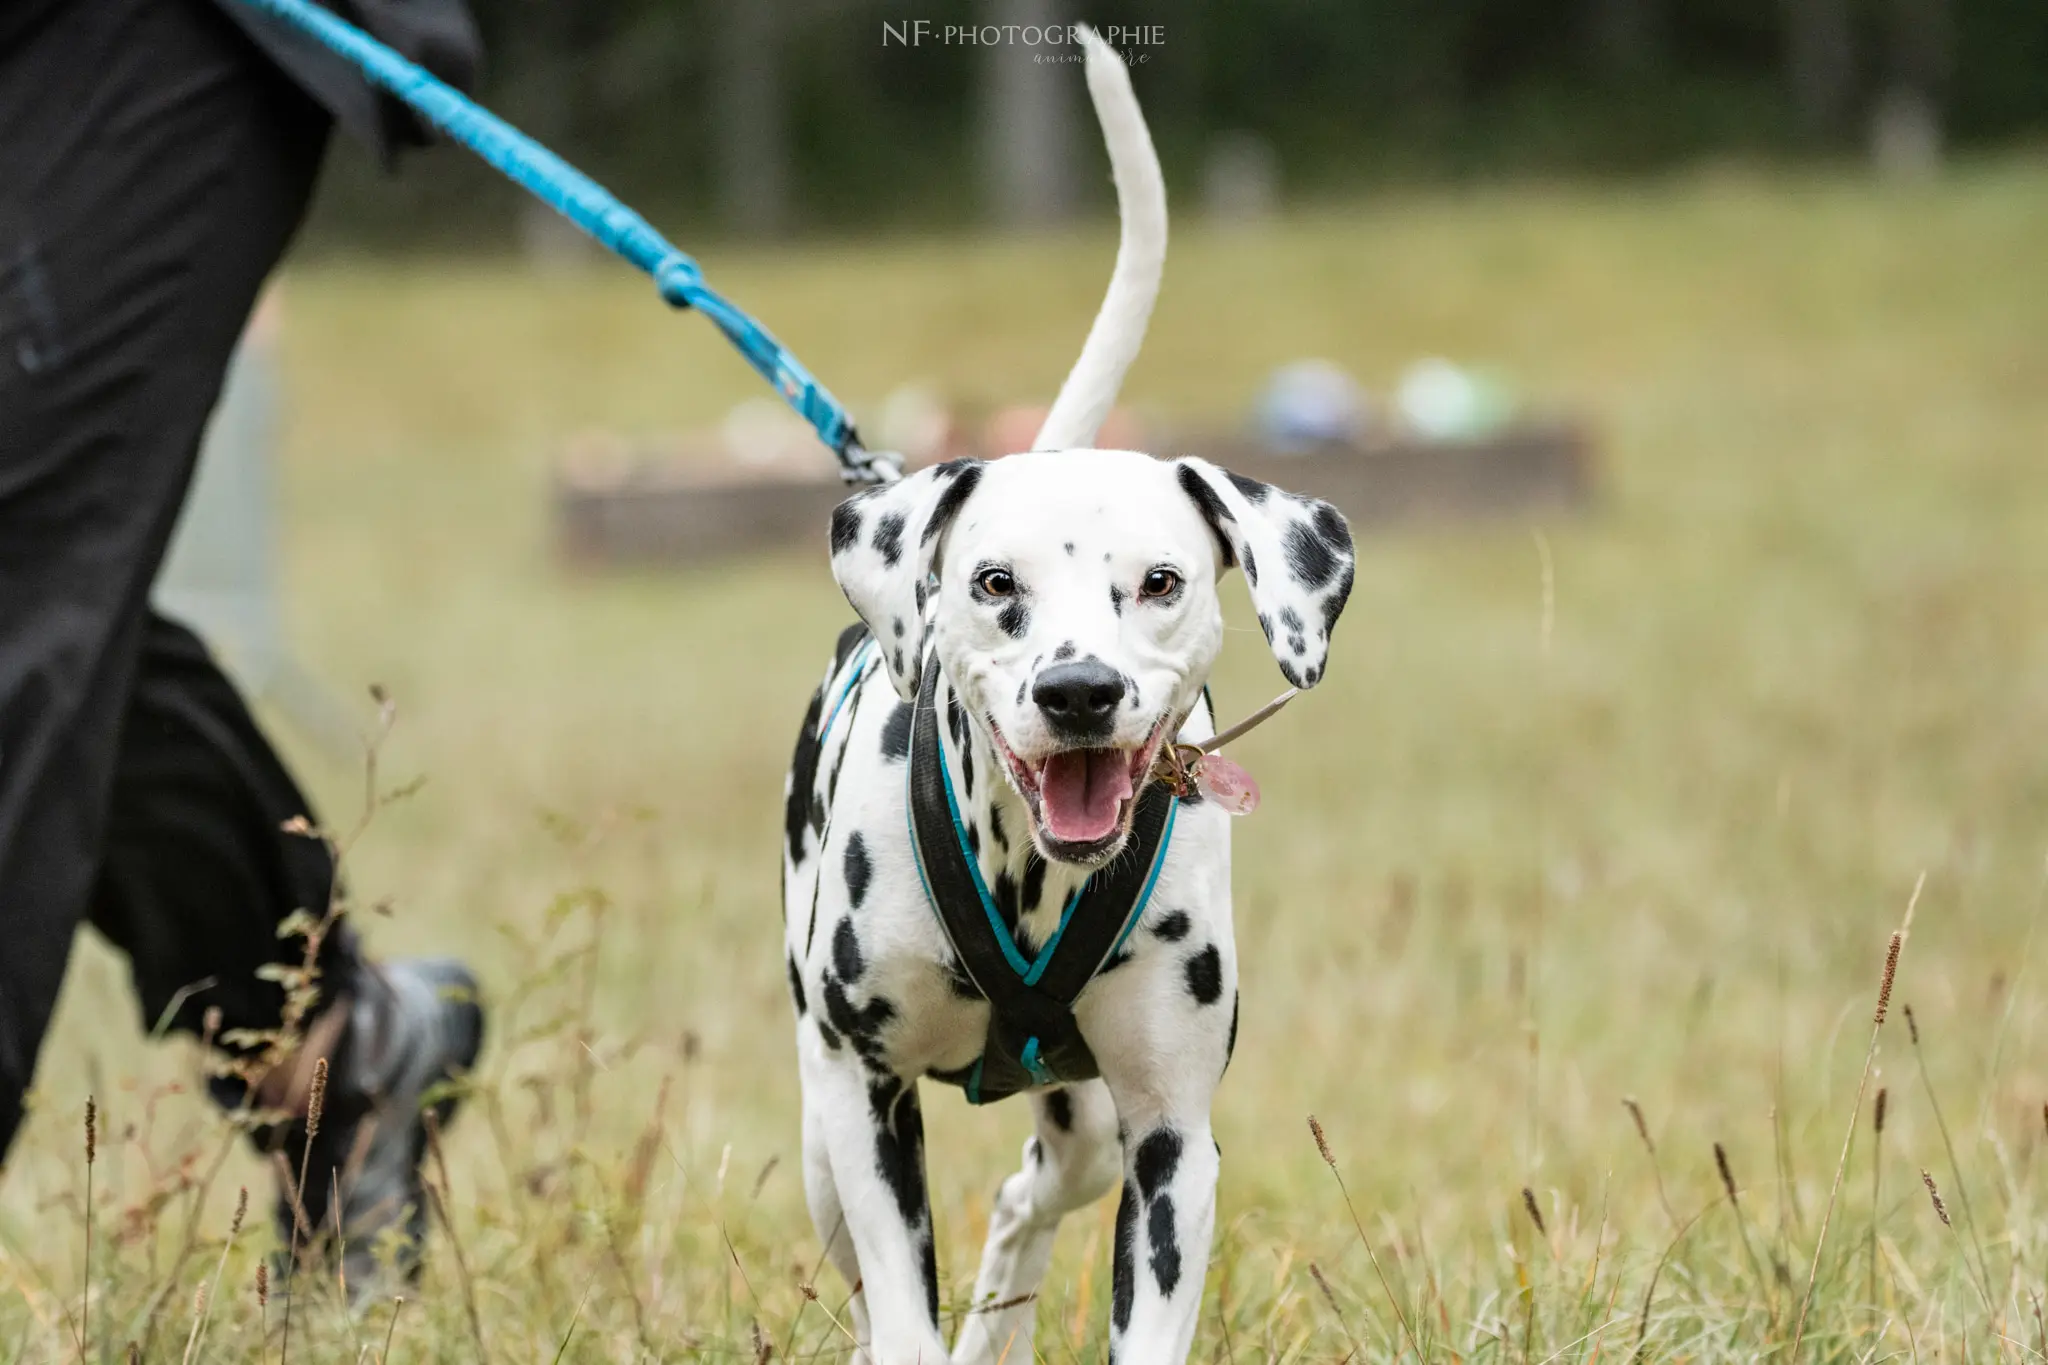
x: 1070, y: 597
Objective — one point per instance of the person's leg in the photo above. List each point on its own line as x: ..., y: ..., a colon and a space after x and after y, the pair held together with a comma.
x: 199, y: 868
x: 152, y: 170
x: 199, y: 872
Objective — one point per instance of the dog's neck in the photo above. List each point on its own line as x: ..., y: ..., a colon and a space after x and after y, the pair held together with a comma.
x: 1029, y: 891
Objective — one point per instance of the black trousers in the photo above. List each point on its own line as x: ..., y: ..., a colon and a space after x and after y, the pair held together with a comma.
x: 153, y: 168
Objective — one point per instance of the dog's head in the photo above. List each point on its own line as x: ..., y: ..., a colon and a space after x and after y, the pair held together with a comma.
x: 1071, y: 597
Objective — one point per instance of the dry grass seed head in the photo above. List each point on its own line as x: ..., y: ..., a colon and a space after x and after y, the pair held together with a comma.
x: 316, y: 1099
x: 1635, y: 1111
x: 1535, y: 1212
x: 1940, y: 1209
x: 1727, y: 1175
x: 1891, y: 970
x: 1322, y: 1143
x: 1316, y: 1273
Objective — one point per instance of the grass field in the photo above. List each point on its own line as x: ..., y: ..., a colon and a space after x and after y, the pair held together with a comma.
x: 1618, y: 806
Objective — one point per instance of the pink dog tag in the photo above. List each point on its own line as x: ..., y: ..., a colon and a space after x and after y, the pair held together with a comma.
x: 1227, y: 784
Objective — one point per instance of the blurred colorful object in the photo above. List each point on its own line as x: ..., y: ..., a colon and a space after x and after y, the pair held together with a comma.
x: 1311, y: 404
x: 1442, y: 402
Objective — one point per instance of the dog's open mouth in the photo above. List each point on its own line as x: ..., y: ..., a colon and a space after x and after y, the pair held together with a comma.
x: 1082, y: 799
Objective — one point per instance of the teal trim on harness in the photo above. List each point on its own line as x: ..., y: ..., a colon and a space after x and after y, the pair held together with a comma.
x: 1029, y: 1057
x: 1034, y: 969
x: 860, y: 672
x: 973, y: 1086
x: 597, y: 212
x: 1145, y: 896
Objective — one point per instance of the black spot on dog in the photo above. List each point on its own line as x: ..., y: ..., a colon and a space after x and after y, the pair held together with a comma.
x: 826, y: 1032
x: 1157, y: 1159
x: 964, y: 475
x: 928, y: 1266
x: 859, y: 871
x: 995, y: 828
x: 1330, y: 526
x: 1034, y: 1152
x: 1205, y: 976
x: 1070, y: 547
x: 845, y: 527
x: 1266, y: 625
x: 803, y: 776
x: 1059, y: 1107
x: 1290, y: 618
x: 846, y: 956
x: 1309, y: 557
x: 1034, y: 881
x: 1020, y: 692
x: 849, y: 640
x: 918, y: 593
x: 1165, y: 1246
x: 1212, y: 509
x: 1254, y: 491
x: 956, y: 720
x: 831, y: 790
x: 796, y: 986
x: 899, y: 627
x: 818, y: 808
x: 889, y: 538
x: 899, y: 1145
x: 1313, y: 676
x: 896, y: 732
x: 1006, y: 898
x: 1230, y: 1044
x: 967, y: 769
x: 863, y: 1026
x: 1064, y: 652
x: 1172, y: 926
x: 1333, y: 602
x: 974, y: 840
x: 896, y: 660
x: 1014, y: 619
x: 1251, y: 569
x: 1116, y: 599
x: 1124, y: 1269
x: 1297, y: 644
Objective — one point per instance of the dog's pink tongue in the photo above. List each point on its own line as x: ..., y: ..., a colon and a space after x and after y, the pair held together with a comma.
x: 1081, y: 791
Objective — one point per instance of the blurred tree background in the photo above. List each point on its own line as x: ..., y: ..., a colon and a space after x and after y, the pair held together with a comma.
x: 757, y: 118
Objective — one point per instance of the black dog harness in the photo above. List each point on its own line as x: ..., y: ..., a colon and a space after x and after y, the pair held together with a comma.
x: 1033, y: 1040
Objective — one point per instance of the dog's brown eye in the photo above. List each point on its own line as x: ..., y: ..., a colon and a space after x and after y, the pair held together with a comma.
x: 1160, y: 583
x: 997, y: 582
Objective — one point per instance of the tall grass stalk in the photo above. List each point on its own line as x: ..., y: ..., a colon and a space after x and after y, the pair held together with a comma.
x: 1884, y: 1000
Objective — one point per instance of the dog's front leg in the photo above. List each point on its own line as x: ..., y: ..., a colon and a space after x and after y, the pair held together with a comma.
x: 1164, y: 1224
x: 873, y: 1132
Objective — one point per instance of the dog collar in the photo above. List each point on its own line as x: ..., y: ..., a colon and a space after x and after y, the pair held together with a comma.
x: 1033, y: 1039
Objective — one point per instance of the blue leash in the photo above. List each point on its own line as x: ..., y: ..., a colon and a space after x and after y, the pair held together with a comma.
x: 599, y: 213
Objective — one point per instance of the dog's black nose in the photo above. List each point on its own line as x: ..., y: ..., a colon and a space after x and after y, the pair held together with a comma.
x: 1079, y: 699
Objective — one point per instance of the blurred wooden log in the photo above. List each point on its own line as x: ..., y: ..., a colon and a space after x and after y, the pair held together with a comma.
x: 674, y: 512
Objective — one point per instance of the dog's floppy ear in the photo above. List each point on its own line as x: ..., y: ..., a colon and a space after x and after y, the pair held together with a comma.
x: 1296, y: 556
x: 884, y: 543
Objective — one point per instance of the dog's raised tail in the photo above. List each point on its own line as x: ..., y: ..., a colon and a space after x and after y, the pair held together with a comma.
x: 1092, y: 385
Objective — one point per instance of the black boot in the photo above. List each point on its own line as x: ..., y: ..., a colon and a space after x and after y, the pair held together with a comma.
x: 413, y: 1029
